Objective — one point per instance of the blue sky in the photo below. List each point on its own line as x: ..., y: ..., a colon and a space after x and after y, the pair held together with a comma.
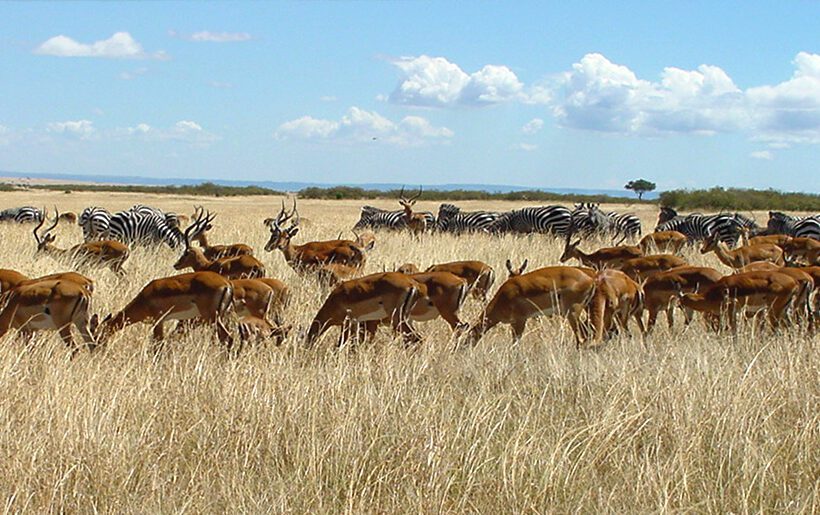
x: 570, y: 94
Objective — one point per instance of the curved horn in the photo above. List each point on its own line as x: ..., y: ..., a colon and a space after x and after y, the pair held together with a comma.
x: 417, y: 196
x: 401, y: 195
x: 295, y: 222
x: 42, y: 221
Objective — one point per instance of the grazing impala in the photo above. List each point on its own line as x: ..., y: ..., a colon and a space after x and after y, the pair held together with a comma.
x: 742, y: 256
x: 253, y: 328
x: 663, y: 241
x: 807, y: 249
x: 243, y: 266
x: 213, y: 252
x: 111, y: 253
x: 50, y: 304
x: 479, y: 275
x: 607, y: 257
x: 416, y: 222
x: 560, y: 290
x: 642, y: 267
x: 445, y: 295
x: 661, y: 291
x: 204, y: 296
x: 370, y: 299
x: 312, y: 254
x: 752, y: 292
x: 617, y: 298
x: 11, y: 278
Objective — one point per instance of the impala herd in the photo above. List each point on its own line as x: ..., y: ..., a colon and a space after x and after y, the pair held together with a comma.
x: 775, y: 277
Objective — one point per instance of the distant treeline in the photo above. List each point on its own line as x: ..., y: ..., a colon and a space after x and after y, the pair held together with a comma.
x: 711, y: 199
x: 740, y: 200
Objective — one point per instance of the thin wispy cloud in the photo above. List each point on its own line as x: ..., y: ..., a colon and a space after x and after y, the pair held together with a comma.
x: 765, y: 155
x: 533, y: 126
x: 121, y: 45
x: 133, y: 74
x: 82, y: 129
x: 206, y: 36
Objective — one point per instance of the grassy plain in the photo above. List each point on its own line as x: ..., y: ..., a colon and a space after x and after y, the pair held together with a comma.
x: 685, y: 421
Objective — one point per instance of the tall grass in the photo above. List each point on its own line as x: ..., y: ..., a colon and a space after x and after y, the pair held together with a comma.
x: 684, y: 421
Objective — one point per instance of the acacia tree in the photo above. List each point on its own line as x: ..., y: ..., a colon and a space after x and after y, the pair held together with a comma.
x: 640, y: 186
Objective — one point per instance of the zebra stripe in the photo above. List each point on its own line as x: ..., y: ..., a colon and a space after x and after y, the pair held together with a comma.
x: 797, y: 226
x: 700, y: 227
x: 375, y: 218
x: 172, y: 219
x: 142, y: 229
x: 451, y: 219
x: 22, y: 214
x: 94, y: 221
x: 625, y: 224
x: 543, y: 219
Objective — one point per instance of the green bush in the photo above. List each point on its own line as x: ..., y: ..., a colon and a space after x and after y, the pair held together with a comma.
x: 740, y: 200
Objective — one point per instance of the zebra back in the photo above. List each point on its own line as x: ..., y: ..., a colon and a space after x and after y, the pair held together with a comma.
x: 542, y: 219
x: 451, y: 219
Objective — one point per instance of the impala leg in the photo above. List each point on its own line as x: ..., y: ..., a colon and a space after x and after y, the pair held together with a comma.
x: 574, y: 318
x: 65, y: 334
x: 518, y: 326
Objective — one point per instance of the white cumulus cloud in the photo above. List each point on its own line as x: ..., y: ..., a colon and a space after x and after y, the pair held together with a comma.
x: 359, y: 125
x: 527, y: 147
x: 119, y: 46
x: 533, y: 126
x: 83, y: 129
x: 436, y: 82
x: 184, y: 130
x: 765, y: 155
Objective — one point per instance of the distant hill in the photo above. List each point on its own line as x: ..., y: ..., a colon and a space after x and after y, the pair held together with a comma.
x: 296, y: 186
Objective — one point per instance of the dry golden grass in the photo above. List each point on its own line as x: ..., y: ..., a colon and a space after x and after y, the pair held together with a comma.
x: 688, y: 421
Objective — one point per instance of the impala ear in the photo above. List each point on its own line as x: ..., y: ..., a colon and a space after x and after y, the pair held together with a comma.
x: 523, y: 266
x: 94, y: 323
x: 292, y: 231
x: 370, y: 246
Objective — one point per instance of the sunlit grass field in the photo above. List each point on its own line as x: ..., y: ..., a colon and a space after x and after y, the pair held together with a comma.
x: 686, y: 420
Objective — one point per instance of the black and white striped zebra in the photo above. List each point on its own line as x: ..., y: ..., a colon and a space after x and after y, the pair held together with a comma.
x: 797, y: 226
x: 22, y: 214
x: 624, y: 225
x: 134, y: 228
x: 588, y: 219
x: 697, y: 227
x: 528, y: 220
x: 172, y: 219
x: 375, y: 218
x: 451, y: 219
x: 94, y: 221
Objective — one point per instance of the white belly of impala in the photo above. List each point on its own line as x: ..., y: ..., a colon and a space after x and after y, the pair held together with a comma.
x: 187, y: 313
x: 374, y: 313
x: 41, y: 321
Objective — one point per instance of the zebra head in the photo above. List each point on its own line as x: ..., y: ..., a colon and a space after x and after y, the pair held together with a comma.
x: 779, y: 221
x: 666, y: 214
x: 445, y: 213
x: 279, y: 237
x: 366, y: 217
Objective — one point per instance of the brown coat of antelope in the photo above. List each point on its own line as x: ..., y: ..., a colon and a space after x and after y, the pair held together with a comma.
x: 12, y: 278
x: 238, y: 267
x: 369, y: 300
x: 663, y: 241
x: 214, y: 252
x: 808, y: 277
x: 807, y: 249
x: 111, y: 253
x: 607, y: 257
x: 742, y: 256
x: 311, y: 254
x: 617, y: 298
x: 445, y: 295
x: 204, y: 296
x: 49, y: 304
x: 555, y: 290
x: 752, y: 292
x: 661, y: 291
x: 641, y: 268
x: 479, y: 275
x: 416, y: 222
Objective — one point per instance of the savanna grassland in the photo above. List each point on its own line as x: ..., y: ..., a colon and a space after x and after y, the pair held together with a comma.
x: 685, y: 421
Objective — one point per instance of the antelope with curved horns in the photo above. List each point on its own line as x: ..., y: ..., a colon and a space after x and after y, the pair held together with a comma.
x: 661, y: 291
x: 561, y: 290
x: 214, y: 252
x: 370, y: 300
x: 416, y: 222
x: 50, y: 304
x: 763, y: 291
x: 204, y: 296
x: 239, y: 267
x: 663, y: 241
x: 111, y: 253
x: 311, y: 254
x: 742, y: 256
x: 607, y: 257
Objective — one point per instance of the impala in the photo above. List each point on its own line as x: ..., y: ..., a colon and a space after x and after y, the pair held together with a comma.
x: 742, y: 256
x: 445, y: 295
x: 607, y: 257
x: 806, y: 248
x: 334, y: 273
x: 560, y: 290
x: 259, y: 329
x: 310, y: 254
x: 479, y: 275
x: 111, y: 253
x: 751, y: 292
x: 204, y: 296
x: 370, y: 299
x: 617, y: 298
x: 808, y: 277
x: 213, y: 252
x: 49, y: 304
x: 238, y: 267
x: 516, y: 271
x: 642, y: 267
x: 11, y: 278
x: 661, y: 291
x: 663, y: 241
x: 416, y: 222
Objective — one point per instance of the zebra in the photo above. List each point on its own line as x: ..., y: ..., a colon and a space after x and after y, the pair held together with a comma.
x: 797, y: 226
x: 588, y: 219
x: 542, y: 219
x: 172, y: 219
x: 451, y: 219
x: 697, y: 227
x: 22, y: 214
x: 94, y: 221
x: 625, y: 225
x: 375, y: 218
x: 131, y: 227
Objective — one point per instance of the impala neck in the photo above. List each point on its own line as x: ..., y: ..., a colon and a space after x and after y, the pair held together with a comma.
x: 200, y: 261
x: 726, y: 256
x: 203, y: 240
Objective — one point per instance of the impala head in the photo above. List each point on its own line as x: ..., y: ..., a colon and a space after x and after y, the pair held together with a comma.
x: 516, y: 272
x: 570, y: 249
x: 709, y: 244
x: 47, y: 238
x: 201, y: 223
x: 408, y: 203
x: 408, y: 268
x: 365, y: 240
x: 68, y: 217
x: 279, y: 236
x: 102, y: 330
